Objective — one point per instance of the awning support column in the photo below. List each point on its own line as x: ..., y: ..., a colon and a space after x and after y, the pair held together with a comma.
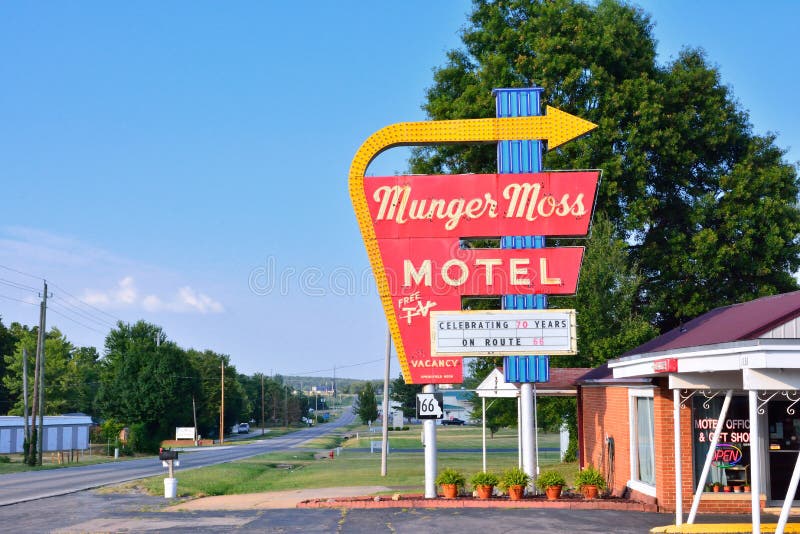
x: 755, y: 463
x: 787, y: 502
x: 676, y: 421
x: 711, y: 449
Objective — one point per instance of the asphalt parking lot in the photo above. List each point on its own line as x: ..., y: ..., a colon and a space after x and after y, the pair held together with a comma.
x: 91, y: 511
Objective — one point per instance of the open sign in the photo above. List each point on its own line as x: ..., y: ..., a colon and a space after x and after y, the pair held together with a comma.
x: 726, y: 455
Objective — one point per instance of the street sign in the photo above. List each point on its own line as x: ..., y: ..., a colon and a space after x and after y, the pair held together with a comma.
x: 430, y: 406
x: 501, y: 332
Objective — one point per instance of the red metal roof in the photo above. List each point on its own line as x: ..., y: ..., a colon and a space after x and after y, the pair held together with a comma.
x: 563, y: 377
x: 737, y: 322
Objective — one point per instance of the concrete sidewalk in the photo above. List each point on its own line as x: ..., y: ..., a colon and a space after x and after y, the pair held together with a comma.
x: 273, y: 499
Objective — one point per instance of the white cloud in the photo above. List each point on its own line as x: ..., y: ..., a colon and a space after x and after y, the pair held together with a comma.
x: 199, y: 301
x: 126, y: 295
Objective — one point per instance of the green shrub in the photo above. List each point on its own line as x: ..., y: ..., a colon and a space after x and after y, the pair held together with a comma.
x: 550, y: 478
x: 5, y: 459
x: 140, y: 439
x: 110, y: 430
x: 590, y: 477
x: 450, y: 476
x: 514, y: 477
x: 486, y: 478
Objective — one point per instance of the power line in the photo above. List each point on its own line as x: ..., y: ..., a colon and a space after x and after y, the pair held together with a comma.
x: 80, y: 314
x: 21, y: 272
x: 19, y: 300
x: 17, y: 285
x: 85, y: 303
x: 305, y: 373
x: 85, y: 314
x: 76, y: 322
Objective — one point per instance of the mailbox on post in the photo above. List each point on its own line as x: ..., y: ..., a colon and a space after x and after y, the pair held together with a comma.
x: 167, y: 454
x: 169, y: 459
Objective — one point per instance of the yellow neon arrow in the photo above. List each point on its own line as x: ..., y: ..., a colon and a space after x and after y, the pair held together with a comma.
x: 556, y: 127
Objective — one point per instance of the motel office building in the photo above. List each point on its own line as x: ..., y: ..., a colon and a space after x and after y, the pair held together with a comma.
x: 648, y: 418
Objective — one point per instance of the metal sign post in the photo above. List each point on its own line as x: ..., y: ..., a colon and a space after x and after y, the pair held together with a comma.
x: 431, y: 408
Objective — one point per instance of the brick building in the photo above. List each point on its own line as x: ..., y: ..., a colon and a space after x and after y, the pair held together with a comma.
x: 670, y: 418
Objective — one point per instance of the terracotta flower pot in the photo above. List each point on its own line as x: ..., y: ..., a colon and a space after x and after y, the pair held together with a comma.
x: 589, y: 491
x: 484, y: 491
x: 450, y: 491
x: 747, y: 489
x: 553, y: 492
x: 716, y: 489
x: 726, y: 489
x: 515, y: 492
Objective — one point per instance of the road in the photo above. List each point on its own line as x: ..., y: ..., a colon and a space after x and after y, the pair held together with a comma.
x: 31, y: 485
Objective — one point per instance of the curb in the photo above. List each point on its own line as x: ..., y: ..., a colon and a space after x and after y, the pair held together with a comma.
x: 418, y: 501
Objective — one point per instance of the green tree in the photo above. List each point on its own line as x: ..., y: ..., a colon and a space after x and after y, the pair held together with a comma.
x: 366, y: 406
x: 406, y: 395
x: 707, y: 206
x: 70, y: 373
x: 608, y: 322
x: 146, y: 379
x: 207, y: 370
x: 8, y: 340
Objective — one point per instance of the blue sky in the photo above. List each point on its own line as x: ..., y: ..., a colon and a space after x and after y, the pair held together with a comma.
x: 186, y: 162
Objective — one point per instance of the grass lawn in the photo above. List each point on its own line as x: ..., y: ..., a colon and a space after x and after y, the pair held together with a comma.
x: 406, y: 470
x: 16, y: 465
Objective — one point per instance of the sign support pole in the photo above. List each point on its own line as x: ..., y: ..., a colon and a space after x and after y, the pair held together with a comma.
x: 516, y: 156
x: 429, y: 435
x: 483, y: 434
x: 385, y: 425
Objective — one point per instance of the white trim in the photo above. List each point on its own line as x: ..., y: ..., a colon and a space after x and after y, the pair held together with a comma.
x: 638, y: 485
x: 734, y: 356
x: 641, y: 487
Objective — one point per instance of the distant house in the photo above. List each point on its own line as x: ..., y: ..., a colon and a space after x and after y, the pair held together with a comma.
x: 61, y: 433
x: 457, y: 404
x: 648, y: 419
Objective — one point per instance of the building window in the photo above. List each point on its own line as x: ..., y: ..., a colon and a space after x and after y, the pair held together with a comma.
x: 643, y: 473
x: 730, y: 463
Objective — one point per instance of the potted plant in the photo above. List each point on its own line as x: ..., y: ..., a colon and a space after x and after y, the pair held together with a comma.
x: 484, y: 482
x: 590, y: 482
x: 451, y: 480
x: 513, y: 482
x: 716, y: 486
x: 551, y: 483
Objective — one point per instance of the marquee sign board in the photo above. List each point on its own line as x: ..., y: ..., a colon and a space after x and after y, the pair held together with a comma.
x: 503, y: 332
x: 412, y: 228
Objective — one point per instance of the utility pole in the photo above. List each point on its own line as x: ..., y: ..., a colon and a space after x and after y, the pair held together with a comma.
x: 194, y: 416
x: 222, y: 405
x: 286, y: 406
x: 25, y: 392
x: 385, y: 422
x: 34, y: 437
x: 42, y: 338
x: 262, y: 405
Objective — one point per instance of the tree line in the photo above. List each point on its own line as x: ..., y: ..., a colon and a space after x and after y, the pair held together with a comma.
x: 145, y: 381
x: 694, y: 210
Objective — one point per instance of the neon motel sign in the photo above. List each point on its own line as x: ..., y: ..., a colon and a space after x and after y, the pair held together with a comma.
x: 414, y: 226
